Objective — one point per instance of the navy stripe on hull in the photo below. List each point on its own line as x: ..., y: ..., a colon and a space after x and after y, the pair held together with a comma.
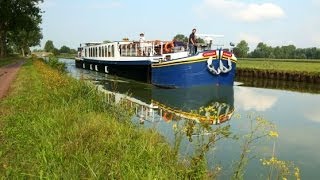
x: 139, y: 72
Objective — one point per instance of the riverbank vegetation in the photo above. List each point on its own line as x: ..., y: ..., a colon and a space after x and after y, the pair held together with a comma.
x: 301, y: 66
x: 63, y: 52
x: 53, y: 126
x: 299, y: 71
x: 279, y: 52
x: 8, y: 60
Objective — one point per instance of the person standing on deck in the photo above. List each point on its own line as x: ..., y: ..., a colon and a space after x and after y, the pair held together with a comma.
x: 142, y: 44
x: 192, y: 42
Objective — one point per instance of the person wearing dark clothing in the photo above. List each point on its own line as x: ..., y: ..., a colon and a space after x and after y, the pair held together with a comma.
x: 192, y: 42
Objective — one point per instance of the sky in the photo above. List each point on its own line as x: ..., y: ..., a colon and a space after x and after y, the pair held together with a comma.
x: 274, y: 22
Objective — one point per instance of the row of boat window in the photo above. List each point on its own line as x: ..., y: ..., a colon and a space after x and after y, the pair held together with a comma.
x: 101, y: 51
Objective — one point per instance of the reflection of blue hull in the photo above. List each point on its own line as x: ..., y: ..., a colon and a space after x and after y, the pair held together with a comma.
x: 187, y: 99
x: 180, y: 102
x: 188, y: 74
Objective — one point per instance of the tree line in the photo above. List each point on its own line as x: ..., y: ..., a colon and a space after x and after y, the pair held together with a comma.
x: 49, y: 47
x: 279, y: 52
x: 19, y: 25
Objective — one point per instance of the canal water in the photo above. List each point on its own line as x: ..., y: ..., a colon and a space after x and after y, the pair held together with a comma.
x: 193, y: 120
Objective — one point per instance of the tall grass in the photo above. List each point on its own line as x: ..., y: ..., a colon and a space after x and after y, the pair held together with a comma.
x: 55, y: 127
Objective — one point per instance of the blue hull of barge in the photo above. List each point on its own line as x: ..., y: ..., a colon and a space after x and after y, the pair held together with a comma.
x: 181, y: 75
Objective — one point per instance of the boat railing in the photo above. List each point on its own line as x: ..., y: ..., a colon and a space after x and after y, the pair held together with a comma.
x: 149, y: 48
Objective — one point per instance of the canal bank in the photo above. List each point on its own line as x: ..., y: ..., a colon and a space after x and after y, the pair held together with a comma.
x: 285, y: 70
x: 69, y: 126
x: 278, y: 75
x: 53, y: 126
x: 188, y: 136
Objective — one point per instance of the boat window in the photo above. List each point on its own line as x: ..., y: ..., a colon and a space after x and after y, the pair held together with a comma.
x: 96, y: 52
x: 92, y: 51
x: 85, y: 52
x: 106, y: 51
x: 112, y: 50
x: 89, y: 52
x: 99, y: 54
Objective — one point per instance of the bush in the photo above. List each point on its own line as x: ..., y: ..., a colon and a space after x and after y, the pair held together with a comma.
x: 54, y: 63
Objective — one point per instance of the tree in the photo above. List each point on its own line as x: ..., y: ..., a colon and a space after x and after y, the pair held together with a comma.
x: 288, y: 51
x: 262, y: 51
x: 181, y: 38
x: 73, y: 51
x: 242, y: 49
x: 200, y: 40
x: 64, y: 49
x: 49, y: 47
x: 16, y: 16
x: 24, y: 39
x: 55, y: 51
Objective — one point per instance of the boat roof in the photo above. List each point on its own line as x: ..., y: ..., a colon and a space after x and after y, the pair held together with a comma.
x: 92, y: 43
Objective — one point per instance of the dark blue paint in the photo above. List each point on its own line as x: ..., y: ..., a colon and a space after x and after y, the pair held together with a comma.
x: 192, y: 74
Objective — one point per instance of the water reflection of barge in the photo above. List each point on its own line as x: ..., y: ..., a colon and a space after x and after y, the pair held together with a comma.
x: 210, y: 104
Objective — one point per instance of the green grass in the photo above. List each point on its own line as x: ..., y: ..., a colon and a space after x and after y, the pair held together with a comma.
x: 52, y: 126
x: 8, y: 60
x: 66, y: 56
x: 279, y: 60
x: 273, y: 65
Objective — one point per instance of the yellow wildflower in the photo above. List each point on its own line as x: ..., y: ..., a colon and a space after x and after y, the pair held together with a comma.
x: 273, y: 134
x: 174, y: 126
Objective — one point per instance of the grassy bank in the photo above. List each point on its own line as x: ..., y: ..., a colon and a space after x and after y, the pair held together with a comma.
x: 282, y: 60
x: 8, y: 60
x: 278, y: 65
x: 52, y: 126
x: 299, y: 71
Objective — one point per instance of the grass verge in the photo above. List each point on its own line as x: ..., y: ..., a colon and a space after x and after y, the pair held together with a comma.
x: 52, y: 126
x: 304, y: 67
x: 8, y: 60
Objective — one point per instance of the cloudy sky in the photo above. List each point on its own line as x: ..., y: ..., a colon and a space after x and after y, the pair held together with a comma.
x: 275, y: 22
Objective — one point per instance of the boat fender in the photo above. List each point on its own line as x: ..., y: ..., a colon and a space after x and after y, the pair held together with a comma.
x: 211, y: 67
x: 225, y: 69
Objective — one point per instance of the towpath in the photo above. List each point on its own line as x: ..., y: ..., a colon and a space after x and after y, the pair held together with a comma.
x: 7, y: 75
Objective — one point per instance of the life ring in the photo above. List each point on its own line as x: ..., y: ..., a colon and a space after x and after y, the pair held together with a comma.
x: 168, y: 47
x: 167, y: 117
